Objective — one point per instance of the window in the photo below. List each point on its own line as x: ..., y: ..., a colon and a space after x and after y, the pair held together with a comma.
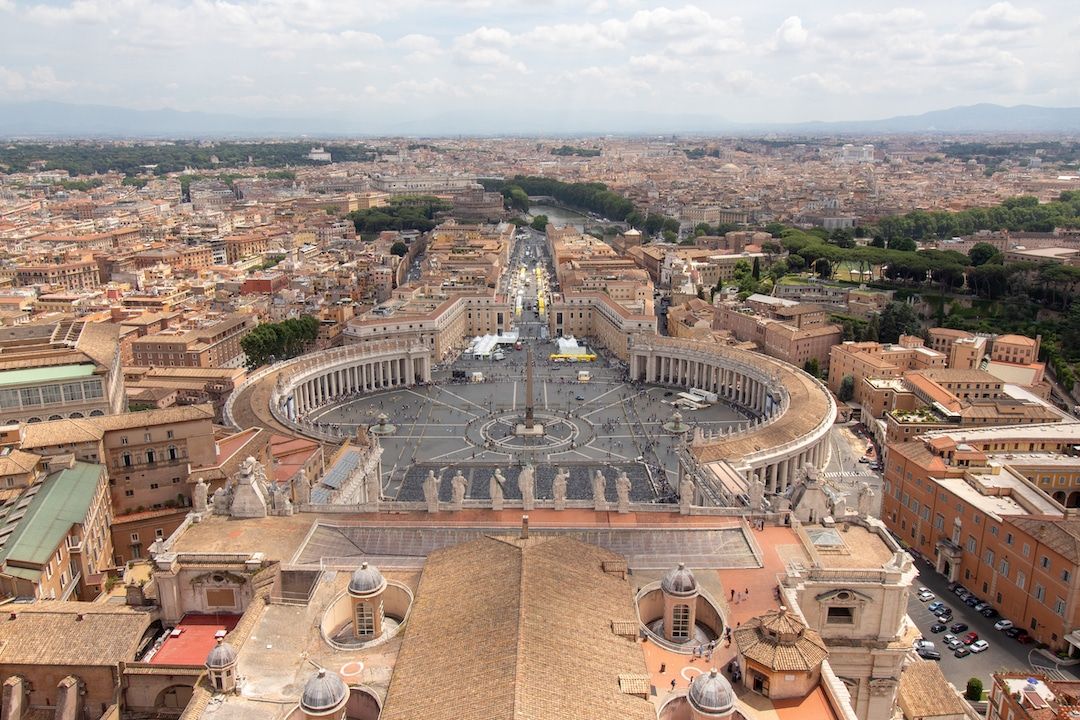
x: 971, y: 544
x: 1026, y: 550
x: 939, y: 522
x: 153, y: 486
x: 30, y: 396
x: 50, y: 394
x: 1059, y: 607
x: 1008, y: 538
x: 993, y: 530
x: 1004, y: 567
x: 680, y: 621
x: 150, y: 456
x: 172, y: 452
x: 135, y: 537
x: 92, y: 390
x: 127, y: 459
x: 841, y: 616
x: 123, y: 439
x: 169, y: 434
x: 146, y: 437
x: 129, y: 493
x: 1045, y: 562
x: 1065, y: 575
x: 990, y: 558
x: 159, y: 533
x: 1021, y: 579
x: 1040, y: 592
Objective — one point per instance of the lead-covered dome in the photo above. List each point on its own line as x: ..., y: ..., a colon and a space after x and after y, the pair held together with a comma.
x: 323, y: 692
x: 679, y: 581
x: 711, y: 694
x: 366, y: 580
x: 222, y: 655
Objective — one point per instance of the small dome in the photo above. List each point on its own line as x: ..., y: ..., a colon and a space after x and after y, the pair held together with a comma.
x: 323, y: 691
x: 679, y: 581
x: 222, y: 655
x: 711, y: 694
x: 366, y: 580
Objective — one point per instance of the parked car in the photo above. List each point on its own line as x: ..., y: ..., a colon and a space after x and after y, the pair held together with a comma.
x: 864, y: 459
x: 953, y: 585
x: 981, y: 606
x: 1014, y: 631
x: 925, y: 595
x: 1024, y: 638
x: 990, y: 613
x: 960, y: 590
x: 938, y: 627
x: 971, y: 601
x: 1003, y: 624
x: 971, y: 637
x: 928, y: 654
x: 945, y: 613
x: 951, y: 641
x: 979, y: 645
x: 962, y: 651
x: 936, y: 607
x: 958, y: 627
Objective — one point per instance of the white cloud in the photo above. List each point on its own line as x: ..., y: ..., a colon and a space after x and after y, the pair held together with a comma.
x: 486, y: 46
x: 11, y: 80
x: 652, y: 63
x: 827, y: 82
x: 584, y: 36
x: 791, y: 35
x: 1005, y: 16
x: 862, y: 23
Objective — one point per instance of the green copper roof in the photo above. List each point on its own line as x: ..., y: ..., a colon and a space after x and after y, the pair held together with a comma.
x: 42, y: 516
x: 45, y: 374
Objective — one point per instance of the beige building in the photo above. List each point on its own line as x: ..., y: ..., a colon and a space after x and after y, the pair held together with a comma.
x: 787, y: 330
x: 211, y: 343
x: 54, y: 535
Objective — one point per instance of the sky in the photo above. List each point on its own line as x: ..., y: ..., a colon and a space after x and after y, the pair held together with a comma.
x: 555, y: 62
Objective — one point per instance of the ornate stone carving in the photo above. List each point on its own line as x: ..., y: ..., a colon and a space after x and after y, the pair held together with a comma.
x: 198, y: 496
x: 686, y: 494
x: 558, y: 488
x: 622, y: 489
x: 496, y: 487
x: 458, y: 486
x: 527, y: 486
x: 431, y: 492
x: 599, y: 491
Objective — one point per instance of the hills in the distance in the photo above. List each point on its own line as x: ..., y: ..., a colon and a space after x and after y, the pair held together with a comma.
x: 48, y: 119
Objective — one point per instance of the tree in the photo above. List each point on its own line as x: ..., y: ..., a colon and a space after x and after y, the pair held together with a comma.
x: 269, y: 342
x: 813, y: 367
x: 974, y: 689
x: 898, y: 319
x: 756, y: 271
x: 670, y: 236
x: 847, y: 388
x: 399, y: 248
x: 823, y: 268
x: 775, y: 229
x: 540, y: 223
x: 980, y: 253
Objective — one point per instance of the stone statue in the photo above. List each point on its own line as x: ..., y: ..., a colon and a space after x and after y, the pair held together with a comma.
x: 866, y: 500
x: 458, y: 485
x: 599, y: 491
x: 373, y: 485
x: 558, y: 488
x: 198, y: 496
x: 221, y: 501
x: 686, y: 494
x: 622, y: 489
x: 527, y: 486
x: 495, y: 486
x: 757, y: 492
x: 301, y: 490
x: 431, y: 492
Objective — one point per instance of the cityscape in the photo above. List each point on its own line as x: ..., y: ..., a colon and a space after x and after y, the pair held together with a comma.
x: 352, y: 352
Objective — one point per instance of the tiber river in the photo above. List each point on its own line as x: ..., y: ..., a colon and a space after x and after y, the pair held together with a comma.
x: 559, y: 216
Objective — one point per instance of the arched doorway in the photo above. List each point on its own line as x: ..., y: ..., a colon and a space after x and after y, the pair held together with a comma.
x: 174, y: 696
x: 1059, y: 497
x: 1074, y: 499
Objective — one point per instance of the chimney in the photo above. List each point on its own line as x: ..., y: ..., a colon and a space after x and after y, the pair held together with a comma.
x: 524, y: 527
x: 78, y: 617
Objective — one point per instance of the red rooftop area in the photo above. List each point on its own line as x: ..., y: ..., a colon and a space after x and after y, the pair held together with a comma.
x: 196, y: 638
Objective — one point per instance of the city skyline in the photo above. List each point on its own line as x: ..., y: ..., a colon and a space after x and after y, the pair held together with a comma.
x: 561, y: 67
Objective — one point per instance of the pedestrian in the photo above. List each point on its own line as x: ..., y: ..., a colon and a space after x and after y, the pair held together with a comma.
x: 672, y: 684
x: 746, y: 592
x: 732, y: 593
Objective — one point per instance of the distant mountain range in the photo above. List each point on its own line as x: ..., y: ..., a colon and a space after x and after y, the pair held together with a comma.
x: 47, y: 119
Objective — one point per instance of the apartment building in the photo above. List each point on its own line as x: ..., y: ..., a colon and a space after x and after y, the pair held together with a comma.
x: 81, y: 274
x: 599, y: 317
x: 54, y: 535
x: 787, y: 330
x: 977, y: 503
x: 149, y: 455
x: 1032, y: 696
x: 210, y: 343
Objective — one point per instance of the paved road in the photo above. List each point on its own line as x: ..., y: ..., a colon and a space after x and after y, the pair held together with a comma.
x: 1005, y: 654
x: 845, y: 473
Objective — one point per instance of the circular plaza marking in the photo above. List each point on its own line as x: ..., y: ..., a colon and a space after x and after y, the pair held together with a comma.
x: 352, y: 668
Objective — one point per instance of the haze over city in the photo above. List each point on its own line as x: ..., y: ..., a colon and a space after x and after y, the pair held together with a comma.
x: 558, y: 66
